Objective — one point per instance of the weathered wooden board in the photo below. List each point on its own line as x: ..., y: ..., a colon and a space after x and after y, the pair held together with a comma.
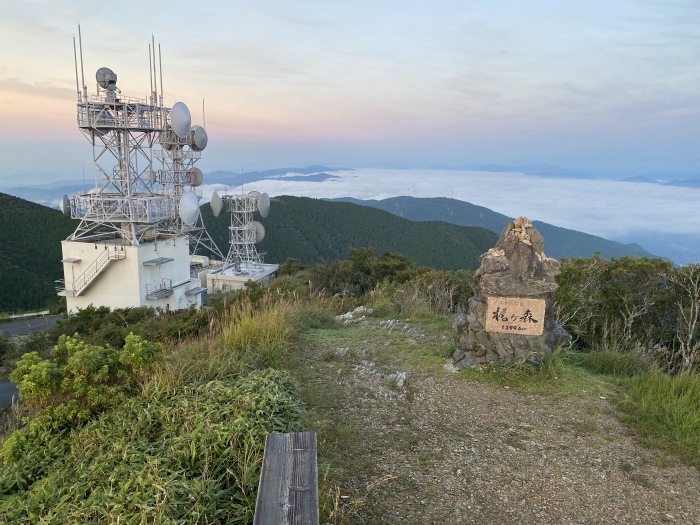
x: 515, y: 315
x: 288, y: 489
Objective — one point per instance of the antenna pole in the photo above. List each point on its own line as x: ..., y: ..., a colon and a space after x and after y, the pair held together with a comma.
x: 155, y: 82
x: 160, y: 65
x: 82, y: 70
x: 204, y: 118
x: 150, y: 74
x: 75, y: 59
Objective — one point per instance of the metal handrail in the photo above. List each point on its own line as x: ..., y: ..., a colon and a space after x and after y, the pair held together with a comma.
x: 95, y: 268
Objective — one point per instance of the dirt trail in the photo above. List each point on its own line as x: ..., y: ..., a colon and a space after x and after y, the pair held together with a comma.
x: 444, y: 449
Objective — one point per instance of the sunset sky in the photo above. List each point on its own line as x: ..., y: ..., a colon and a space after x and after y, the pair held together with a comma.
x: 608, y: 88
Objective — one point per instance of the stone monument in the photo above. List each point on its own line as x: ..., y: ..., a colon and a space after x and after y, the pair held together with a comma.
x: 510, y: 316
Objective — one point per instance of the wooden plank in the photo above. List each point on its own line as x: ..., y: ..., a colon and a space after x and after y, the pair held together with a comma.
x: 288, y: 489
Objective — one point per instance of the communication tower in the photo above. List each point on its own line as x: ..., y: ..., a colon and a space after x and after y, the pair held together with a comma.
x: 131, y: 247
x: 243, y: 262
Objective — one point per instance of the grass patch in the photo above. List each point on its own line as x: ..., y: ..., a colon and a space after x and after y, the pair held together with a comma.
x: 558, y: 373
x: 257, y: 335
x: 613, y: 362
x: 665, y: 410
x: 314, y: 314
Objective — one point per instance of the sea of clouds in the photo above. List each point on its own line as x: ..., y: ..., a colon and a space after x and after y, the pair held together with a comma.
x: 663, y: 219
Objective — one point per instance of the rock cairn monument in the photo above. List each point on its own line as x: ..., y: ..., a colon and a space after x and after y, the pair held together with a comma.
x: 510, y: 316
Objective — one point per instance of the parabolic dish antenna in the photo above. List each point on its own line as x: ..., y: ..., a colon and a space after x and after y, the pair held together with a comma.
x: 65, y: 205
x: 216, y: 204
x: 180, y: 120
x: 254, y: 194
x: 189, y: 208
x: 196, y: 176
x: 198, y: 138
x: 105, y: 77
x: 259, y: 231
x: 264, y: 205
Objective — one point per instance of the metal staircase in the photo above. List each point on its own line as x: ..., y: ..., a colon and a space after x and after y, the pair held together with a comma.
x: 93, y: 271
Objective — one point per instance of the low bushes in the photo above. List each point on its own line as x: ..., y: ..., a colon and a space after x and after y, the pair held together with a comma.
x: 137, y: 434
x: 71, y: 387
x: 635, y: 304
x: 192, y: 456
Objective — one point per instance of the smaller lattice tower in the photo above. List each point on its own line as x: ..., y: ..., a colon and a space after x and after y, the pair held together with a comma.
x: 244, y: 232
x: 181, y: 147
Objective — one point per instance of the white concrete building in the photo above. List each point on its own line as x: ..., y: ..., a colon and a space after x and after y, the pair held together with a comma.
x: 110, y: 273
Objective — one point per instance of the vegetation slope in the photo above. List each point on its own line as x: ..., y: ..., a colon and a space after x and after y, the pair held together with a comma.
x: 313, y: 230
x: 30, y: 258
x: 167, y: 425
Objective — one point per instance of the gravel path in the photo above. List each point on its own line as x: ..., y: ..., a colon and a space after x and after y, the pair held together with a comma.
x: 444, y: 449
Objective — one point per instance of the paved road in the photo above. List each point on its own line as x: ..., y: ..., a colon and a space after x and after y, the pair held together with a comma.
x: 8, y: 390
x: 29, y: 326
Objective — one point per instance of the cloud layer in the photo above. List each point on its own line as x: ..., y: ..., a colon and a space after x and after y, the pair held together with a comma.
x: 612, y: 209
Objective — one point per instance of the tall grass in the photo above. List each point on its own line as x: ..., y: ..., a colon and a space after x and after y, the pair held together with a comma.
x: 666, y: 411
x: 257, y: 334
x: 243, y: 337
x: 614, y: 362
x: 318, y: 313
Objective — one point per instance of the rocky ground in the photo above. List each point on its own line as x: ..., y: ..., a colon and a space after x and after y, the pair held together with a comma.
x: 404, y: 438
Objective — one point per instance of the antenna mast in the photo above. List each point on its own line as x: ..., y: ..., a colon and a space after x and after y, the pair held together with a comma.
x: 82, y: 70
x: 75, y: 59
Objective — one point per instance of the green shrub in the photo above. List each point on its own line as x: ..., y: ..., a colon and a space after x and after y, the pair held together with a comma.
x: 186, y: 456
x: 296, y: 285
x: 76, y: 383
x: 360, y: 273
x: 102, y: 326
x: 435, y: 292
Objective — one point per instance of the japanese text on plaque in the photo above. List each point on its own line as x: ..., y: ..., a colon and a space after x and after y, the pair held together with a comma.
x: 515, y: 315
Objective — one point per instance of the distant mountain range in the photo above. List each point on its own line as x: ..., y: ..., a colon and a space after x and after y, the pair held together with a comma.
x: 559, y: 242
x: 690, y: 183
x: 50, y: 194
x: 314, y: 230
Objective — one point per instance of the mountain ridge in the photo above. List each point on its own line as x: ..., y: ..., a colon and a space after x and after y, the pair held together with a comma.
x: 559, y: 242
x: 310, y: 230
